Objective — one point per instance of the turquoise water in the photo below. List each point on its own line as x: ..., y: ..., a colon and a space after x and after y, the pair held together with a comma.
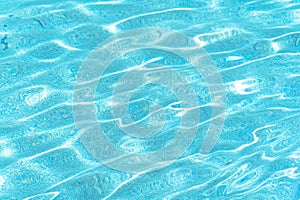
x: 255, y: 45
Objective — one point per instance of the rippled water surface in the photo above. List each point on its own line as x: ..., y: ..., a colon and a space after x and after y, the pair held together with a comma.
x: 255, y: 45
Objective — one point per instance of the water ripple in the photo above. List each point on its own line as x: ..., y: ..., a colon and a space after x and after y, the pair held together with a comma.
x: 254, y: 44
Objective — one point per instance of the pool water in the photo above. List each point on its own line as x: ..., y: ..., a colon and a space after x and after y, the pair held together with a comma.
x: 252, y: 46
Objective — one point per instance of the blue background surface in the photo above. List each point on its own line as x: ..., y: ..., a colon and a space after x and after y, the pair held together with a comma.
x: 254, y: 44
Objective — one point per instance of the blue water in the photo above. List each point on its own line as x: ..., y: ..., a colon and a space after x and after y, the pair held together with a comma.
x: 255, y: 45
